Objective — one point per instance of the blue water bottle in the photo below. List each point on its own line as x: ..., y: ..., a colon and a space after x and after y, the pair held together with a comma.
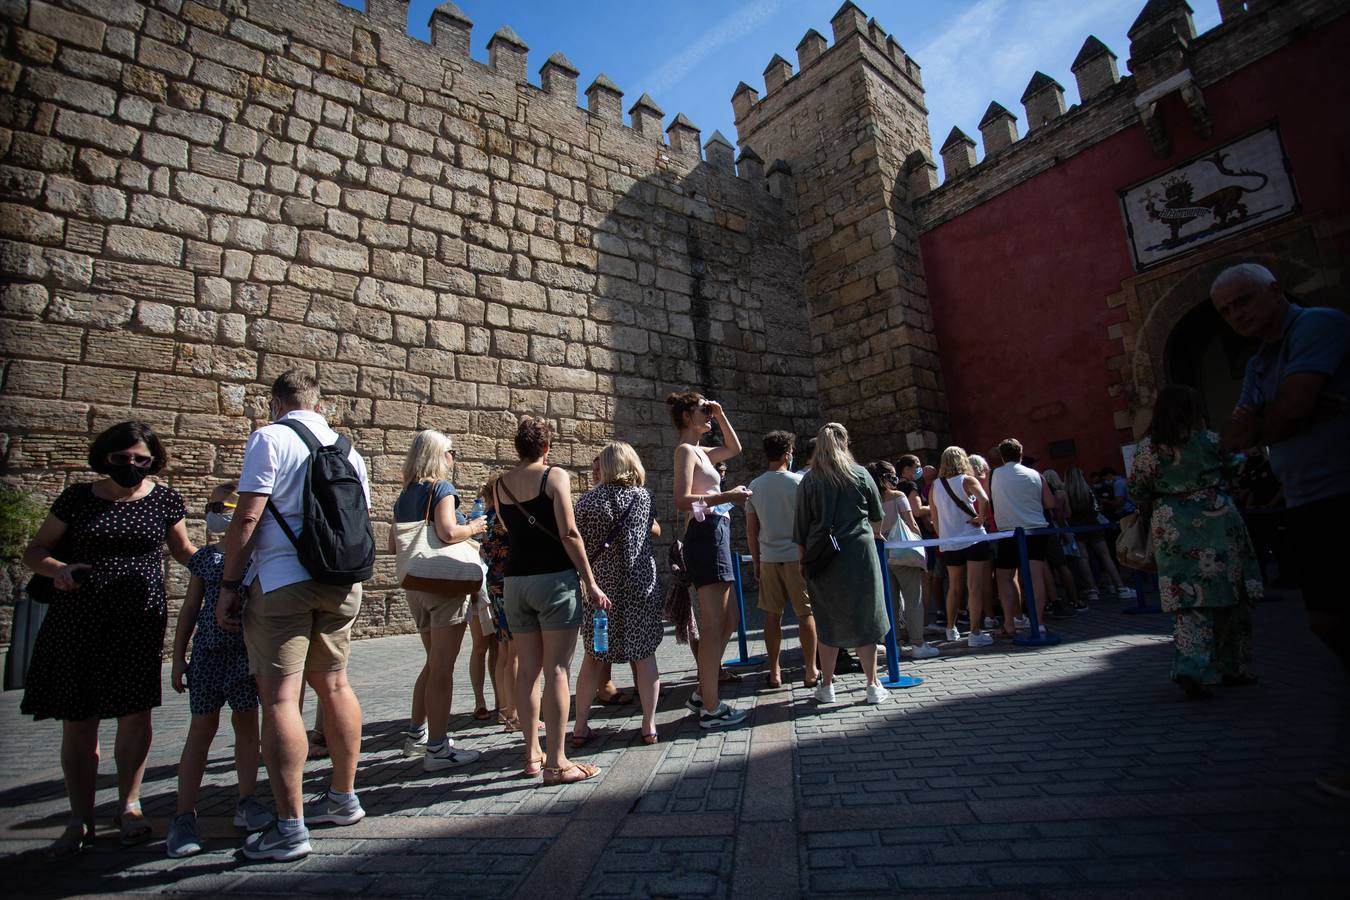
x: 601, y: 642
x: 477, y: 509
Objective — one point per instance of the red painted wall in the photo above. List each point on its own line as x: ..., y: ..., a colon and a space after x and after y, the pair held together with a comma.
x: 1018, y: 284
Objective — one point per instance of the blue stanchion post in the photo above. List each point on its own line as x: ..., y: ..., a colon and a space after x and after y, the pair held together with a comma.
x: 893, y: 677
x: 745, y: 659
x: 1035, y: 638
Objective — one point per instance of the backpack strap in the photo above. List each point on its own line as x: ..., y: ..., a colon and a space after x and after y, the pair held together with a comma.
x: 312, y: 443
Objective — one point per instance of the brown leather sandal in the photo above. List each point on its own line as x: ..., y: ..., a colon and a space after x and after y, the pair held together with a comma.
x: 533, y: 768
x: 554, y: 776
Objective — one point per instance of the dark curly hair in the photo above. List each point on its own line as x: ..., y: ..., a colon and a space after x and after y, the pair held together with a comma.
x: 778, y: 444
x: 533, y: 437
x: 120, y: 437
x: 682, y: 404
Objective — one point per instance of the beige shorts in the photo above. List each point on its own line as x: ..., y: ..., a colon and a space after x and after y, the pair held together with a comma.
x: 434, y: 611
x: 304, y: 626
x: 779, y: 583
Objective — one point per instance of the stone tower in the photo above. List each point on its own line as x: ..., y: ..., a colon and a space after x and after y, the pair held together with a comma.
x: 852, y: 128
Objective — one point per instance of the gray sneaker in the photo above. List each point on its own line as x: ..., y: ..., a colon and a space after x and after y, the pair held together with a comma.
x: 272, y: 844
x: 324, y: 810
x: 447, y: 757
x: 694, y: 703
x: 183, y: 838
x: 251, y: 815
x: 725, y: 716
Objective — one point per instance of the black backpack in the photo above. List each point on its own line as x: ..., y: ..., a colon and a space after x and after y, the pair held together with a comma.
x: 335, y: 544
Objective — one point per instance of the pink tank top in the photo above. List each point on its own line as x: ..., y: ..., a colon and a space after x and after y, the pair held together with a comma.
x: 705, y: 479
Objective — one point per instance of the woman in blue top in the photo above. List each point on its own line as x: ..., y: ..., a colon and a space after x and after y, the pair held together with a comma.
x: 440, y: 620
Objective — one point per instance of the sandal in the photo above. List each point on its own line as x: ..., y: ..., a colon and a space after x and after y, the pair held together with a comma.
x: 580, y: 740
x: 618, y: 698
x: 726, y: 676
x: 504, y: 719
x: 132, y: 825
x: 70, y: 845
x: 649, y: 739
x: 811, y: 682
x: 537, y: 765
x: 554, y: 776
x: 481, y: 714
x: 775, y: 681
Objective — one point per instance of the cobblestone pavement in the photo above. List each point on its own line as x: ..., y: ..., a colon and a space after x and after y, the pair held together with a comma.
x: 1077, y: 770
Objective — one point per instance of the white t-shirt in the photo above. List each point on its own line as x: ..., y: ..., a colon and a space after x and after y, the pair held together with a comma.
x: 275, y: 460
x: 953, y: 521
x: 774, y: 500
x: 1016, y: 492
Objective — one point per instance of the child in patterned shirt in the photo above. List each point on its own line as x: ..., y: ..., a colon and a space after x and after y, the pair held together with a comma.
x: 216, y: 674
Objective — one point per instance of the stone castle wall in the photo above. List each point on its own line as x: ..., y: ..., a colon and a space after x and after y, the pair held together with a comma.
x: 199, y: 194
x: 845, y: 123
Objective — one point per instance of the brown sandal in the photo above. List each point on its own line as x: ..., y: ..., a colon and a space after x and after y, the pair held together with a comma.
x: 482, y: 714
x: 554, y: 776
x: 536, y: 764
x: 649, y: 739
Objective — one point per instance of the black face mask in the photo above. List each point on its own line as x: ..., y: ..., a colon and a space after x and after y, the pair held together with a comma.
x: 127, y: 475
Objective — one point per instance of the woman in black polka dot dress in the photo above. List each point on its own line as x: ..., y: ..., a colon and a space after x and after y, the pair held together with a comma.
x: 98, y: 653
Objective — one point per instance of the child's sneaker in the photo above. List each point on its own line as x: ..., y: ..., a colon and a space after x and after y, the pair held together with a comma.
x: 183, y: 838
x: 251, y: 815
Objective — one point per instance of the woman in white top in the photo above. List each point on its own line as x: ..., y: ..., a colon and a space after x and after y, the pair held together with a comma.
x: 906, y: 581
x: 960, y: 506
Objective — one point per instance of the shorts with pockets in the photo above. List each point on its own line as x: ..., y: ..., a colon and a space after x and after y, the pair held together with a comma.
x: 219, y: 675
x: 547, y: 602
x: 301, y: 627
x: 981, y: 552
x: 707, y: 551
x: 434, y: 611
x: 1005, y: 551
x: 781, y: 583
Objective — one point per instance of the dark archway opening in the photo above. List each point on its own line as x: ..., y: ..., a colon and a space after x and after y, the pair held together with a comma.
x: 1206, y: 354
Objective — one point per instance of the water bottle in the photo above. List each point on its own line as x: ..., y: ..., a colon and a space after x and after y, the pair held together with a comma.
x: 601, y: 641
x: 477, y: 508
x: 723, y: 509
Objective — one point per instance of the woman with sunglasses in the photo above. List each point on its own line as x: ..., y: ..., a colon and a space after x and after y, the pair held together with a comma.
x: 97, y: 655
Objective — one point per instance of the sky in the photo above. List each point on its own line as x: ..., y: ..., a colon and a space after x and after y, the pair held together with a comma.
x: 689, y: 55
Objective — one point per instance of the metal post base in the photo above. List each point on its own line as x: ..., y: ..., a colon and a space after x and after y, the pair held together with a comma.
x: 739, y: 661
x: 1049, y: 639
x: 902, y: 681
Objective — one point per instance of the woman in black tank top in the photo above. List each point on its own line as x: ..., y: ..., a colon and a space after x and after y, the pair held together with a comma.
x: 543, y: 576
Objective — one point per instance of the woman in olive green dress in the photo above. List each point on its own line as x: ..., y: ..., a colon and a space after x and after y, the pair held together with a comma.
x: 837, y: 497
x: 1207, y: 571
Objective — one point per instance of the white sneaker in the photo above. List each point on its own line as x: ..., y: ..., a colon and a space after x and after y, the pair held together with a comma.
x: 824, y: 693
x: 1091, y: 595
x: 1042, y: 629
x: 990, y: 623
x: 980, y: 640
x: 953, y: 634
x: 877, y: 694
x: 1021, y: 623
x: 924, y: 651
x: 447, y: 757
x: 1126, y: 594
x: 414, y: 743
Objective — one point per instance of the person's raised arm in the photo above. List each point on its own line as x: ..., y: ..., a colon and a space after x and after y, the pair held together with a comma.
x: 571, y: 535
x: 731, y: 446
x: 38, y: 555
x: 448, y: 527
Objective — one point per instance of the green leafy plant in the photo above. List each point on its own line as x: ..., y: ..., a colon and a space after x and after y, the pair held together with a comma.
x: 20, y: 516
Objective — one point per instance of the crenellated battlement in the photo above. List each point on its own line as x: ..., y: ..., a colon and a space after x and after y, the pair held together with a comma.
x: 1166, y: 57
x: 508, y: 61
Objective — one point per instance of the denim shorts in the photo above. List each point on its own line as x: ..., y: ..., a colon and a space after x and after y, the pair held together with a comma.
x: 707, y: 551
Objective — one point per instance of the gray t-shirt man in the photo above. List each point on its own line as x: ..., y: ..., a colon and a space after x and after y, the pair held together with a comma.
x: 774, y: 500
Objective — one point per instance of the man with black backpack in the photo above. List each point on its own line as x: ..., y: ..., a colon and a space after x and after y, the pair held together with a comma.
x: 303, y: 518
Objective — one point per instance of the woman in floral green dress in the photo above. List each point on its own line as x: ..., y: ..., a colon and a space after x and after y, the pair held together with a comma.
x: 1207, y: 571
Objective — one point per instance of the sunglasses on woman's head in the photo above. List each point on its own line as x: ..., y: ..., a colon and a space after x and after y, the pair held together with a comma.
x: 219, y: 506
x: 123, y: 458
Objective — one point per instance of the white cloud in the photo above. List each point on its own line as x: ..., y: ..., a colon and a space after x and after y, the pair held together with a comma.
x: 723, y: 32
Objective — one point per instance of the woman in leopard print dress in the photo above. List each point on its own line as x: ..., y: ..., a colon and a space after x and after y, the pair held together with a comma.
x: 615, y: 520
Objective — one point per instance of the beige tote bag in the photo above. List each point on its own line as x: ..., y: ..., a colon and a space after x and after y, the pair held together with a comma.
x: 426, y: 563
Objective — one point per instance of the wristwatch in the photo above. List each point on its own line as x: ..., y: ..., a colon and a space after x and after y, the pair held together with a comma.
x: 232, y: 584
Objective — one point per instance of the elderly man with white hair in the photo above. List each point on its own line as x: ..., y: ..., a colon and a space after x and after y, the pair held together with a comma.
x: 1296, y: 399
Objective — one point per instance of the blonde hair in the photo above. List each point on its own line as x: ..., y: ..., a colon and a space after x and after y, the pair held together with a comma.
x: 426, y: 457
x: 954, y: 462
x: 978, y: 465
x: 619, y: 464
x: 1077, y: 490
x: 832, y: 458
